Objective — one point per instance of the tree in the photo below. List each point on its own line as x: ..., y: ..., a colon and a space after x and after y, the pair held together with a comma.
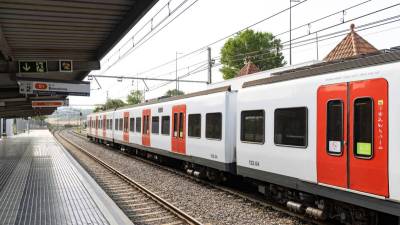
x: 134, y: 97
x: 110, y: 104
x: 173, y: 92
x: 262, y: 48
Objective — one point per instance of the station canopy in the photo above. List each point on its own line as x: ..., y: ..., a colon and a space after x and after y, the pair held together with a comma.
x: 48, y: 47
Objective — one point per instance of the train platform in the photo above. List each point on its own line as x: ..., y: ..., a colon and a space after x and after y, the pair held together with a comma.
x: 41, y: 183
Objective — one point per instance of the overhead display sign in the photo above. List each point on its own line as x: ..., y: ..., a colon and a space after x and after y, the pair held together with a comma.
x: 49, y: 104
x: 29, y: 66
x: 81, y: 88
x: 65, y: 65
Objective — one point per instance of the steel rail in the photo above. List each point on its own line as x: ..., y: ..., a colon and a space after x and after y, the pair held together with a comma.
x: 250, y: 197
x: 171, y: 208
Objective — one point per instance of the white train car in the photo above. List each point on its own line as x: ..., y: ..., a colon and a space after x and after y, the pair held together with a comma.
x: 100, y: 126
x: 328, y: 134
x: 198, y: 128
x: 314, y: 138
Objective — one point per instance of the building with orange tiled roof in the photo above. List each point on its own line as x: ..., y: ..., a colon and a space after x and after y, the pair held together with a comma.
x: 352, y: 45
x: 248, y: 68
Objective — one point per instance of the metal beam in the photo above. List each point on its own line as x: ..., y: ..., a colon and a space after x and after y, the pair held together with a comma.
x: 145, y: 78
x: 4, y: 47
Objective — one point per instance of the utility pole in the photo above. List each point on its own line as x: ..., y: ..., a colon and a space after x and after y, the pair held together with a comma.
x: 176, y: 72
x: 209, y: 65
x: 290, y: 30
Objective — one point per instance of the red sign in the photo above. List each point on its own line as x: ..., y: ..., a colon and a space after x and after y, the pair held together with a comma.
x: 47, y: 104
x: 41, y: 86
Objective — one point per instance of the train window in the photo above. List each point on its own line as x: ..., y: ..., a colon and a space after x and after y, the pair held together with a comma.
x: 194, y: 125
x: 132, y: 124
x: 363, y: 127
x: 120, y: 124
x: 126, y: 121
x: 175, y: 125
x: 214, y: 125
x: 145, y: 125
x: 165, y: 125
x: 334, y: 127
x: 252, y: 126
x: 138, y: 124
x: 290, y: 127
x: 111, y: 124
x: 116, y: 124
x: 180, y: 125
x: 155, y: 124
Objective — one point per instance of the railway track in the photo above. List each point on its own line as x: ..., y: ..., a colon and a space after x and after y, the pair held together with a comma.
x: 140, y: 204
x: 248, y: 196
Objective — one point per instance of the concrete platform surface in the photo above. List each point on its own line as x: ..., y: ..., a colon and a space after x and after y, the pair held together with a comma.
x: 40, y: 183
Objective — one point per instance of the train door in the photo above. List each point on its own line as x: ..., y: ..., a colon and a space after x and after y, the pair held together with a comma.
x: 178, y: 143
x: 104, y: 125
x: 352, y: 136
x: 90, y: 125
x: 126, y: 127
x: 146, y: 127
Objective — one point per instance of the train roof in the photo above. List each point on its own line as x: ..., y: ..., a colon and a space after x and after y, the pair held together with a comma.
x: 173, y: 98
x: 372, y: 59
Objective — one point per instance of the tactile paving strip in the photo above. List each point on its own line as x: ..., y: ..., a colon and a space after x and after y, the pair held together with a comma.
x: 45, y: 189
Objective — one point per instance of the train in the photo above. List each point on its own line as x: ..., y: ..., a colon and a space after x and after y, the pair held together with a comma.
x: 321, y: 139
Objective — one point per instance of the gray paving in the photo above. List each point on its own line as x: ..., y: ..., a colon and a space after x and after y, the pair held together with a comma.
x: 40, y: 183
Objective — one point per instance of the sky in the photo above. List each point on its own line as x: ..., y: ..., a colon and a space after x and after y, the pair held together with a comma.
x: 206, y: 21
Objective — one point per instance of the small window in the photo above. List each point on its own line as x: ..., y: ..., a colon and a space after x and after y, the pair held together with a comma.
x: 126, y: 125
x: 363, y: 127
x: 175, y: 125
x: 138, y: 124
x: 120, y: 123
x: 111, y: 124
x: 252, y: 126
x: 165, y: 125
x: 290, y: 127
x: 194, y: 125
x: 132, y: 124
x: 155, y: 124
x: 214, y: 125
x: 334, y: 127
x: 180, y: 125
x: 146, y: 125
x: 116, y: 124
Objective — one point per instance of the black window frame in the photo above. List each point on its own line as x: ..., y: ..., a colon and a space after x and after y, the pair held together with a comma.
x: 116, y: 124
x: 155, y: 125
x: 163, y: 128
x: 342, y: 126
x: 221, y: 128
x: 138, y: 124
x: 121, y: 124
x: 132, y: 124
x: 360, y: 156
x: 189, y: 123
x: 306, y: 128
x: 242, y: 126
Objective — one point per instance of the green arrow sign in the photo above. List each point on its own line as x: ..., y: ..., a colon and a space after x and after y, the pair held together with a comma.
x: 32, y: 66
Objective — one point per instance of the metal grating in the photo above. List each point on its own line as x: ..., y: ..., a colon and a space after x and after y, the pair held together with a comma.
x: 45, y: 189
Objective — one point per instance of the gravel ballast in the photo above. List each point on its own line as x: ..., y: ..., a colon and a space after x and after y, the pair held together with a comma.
x: 207, y: 204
